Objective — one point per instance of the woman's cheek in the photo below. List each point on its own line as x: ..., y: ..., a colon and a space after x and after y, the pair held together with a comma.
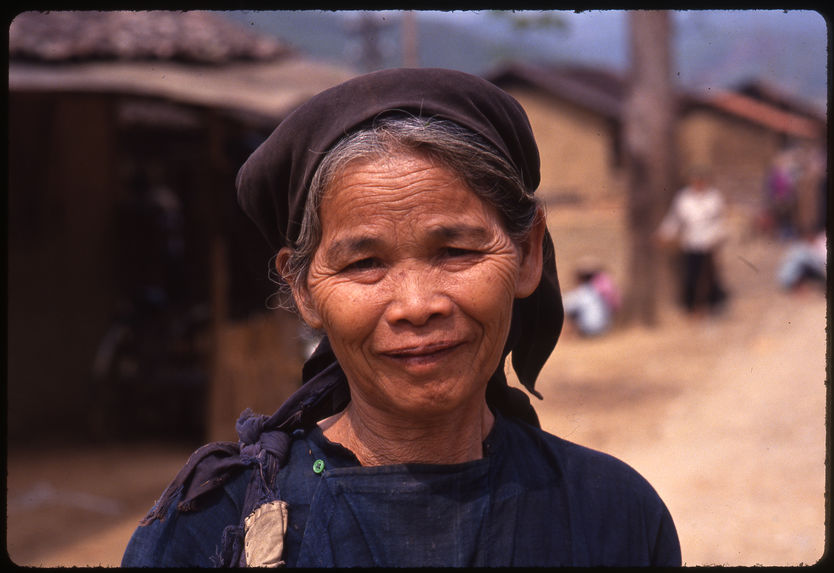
x: 344, y: 308
x: 492, y: 285
x: 487, y: 296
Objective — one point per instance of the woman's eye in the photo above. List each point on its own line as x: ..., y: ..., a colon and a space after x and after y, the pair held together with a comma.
x: 363, y: 264
x: 458, y: 252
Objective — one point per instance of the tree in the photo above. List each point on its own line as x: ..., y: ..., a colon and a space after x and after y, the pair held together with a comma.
x: 367, y: 28
x: 648, y: 132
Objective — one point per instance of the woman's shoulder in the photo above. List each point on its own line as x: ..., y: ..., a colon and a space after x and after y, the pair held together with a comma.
x: 611, y: 510
x: 552, y: 458
x: 180, y: 534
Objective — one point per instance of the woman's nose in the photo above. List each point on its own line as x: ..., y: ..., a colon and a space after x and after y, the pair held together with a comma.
x: 417, y: 297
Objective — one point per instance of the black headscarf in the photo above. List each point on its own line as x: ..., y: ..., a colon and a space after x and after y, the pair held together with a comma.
x: 272, y: 187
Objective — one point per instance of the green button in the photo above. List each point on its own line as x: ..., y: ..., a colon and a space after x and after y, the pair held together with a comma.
x: 318, y: 466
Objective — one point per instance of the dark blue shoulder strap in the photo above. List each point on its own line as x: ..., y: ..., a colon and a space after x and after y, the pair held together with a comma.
x: 263, y: 443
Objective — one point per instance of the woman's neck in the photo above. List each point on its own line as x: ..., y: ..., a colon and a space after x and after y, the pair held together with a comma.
x: 379, y: 439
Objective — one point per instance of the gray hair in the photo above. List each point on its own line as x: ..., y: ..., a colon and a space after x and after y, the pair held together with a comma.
x: 476, y: 161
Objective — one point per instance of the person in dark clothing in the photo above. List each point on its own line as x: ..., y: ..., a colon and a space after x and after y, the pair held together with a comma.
x: 401, y: 208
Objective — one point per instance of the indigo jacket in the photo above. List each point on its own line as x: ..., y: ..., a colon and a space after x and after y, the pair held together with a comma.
x: 532, y: 500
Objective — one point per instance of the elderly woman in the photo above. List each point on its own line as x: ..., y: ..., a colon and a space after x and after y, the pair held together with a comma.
x: 401, y: 208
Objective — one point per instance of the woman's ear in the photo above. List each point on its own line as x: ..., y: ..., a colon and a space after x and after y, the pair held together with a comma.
x: 530, y: 269
x: 300, y: 292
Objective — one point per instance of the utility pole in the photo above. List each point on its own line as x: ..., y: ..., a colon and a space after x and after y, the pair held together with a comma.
x: 367, y: 30
x: 411, y: 54
x: 649, y: 144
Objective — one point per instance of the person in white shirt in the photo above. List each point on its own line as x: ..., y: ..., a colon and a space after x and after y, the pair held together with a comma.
x: 696, y: 219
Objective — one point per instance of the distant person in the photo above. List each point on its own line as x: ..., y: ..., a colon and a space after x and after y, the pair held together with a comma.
x: 696, y: 220
x: 590, y: 306
x: 781, y: 194
x: 804, y: 263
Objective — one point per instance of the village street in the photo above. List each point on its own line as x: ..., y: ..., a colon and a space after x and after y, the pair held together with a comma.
x: 724, y: 416
x: 138, y: 290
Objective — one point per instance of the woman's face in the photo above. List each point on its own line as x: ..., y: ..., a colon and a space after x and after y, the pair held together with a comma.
x: 414, y: 282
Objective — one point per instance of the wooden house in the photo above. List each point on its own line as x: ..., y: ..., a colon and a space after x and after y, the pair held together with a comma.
x: 138, y: 295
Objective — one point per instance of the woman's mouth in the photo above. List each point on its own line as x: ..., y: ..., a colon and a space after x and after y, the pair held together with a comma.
x: 423, y: 354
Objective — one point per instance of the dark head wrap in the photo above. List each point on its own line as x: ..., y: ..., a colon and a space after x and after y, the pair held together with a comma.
x: 272, y: 185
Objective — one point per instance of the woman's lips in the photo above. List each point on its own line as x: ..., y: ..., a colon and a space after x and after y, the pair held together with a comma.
x: 423, y: 354
x: 421, y: 349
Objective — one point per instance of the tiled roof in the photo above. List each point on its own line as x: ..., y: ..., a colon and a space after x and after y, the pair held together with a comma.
x: 604, y: 92
x: 769, y: 116
x: 784, y: 99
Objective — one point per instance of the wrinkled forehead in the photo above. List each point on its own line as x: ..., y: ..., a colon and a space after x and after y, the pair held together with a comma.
x: 403, y: 190
x: 389, y: 165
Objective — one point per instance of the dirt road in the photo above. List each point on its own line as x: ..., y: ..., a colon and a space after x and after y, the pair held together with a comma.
x: 733, y: 441
x: 724, y: 416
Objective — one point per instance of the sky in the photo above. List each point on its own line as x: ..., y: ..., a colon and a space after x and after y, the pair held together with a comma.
x: 712, y: 48
x: 730, y: 45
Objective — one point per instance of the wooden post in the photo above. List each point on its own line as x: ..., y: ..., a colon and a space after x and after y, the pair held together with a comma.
x: 411, y: 54
x: 649, y: 147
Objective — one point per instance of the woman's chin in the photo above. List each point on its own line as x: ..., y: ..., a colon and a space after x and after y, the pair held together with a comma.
x: 430, y: 398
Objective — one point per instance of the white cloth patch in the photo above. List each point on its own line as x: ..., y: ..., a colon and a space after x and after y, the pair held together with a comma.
x: 264, y: 534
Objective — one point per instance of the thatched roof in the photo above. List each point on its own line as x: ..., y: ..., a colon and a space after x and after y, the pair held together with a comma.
x: 267, y: 89
x: 197, y: 58
x: 193, y: 36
